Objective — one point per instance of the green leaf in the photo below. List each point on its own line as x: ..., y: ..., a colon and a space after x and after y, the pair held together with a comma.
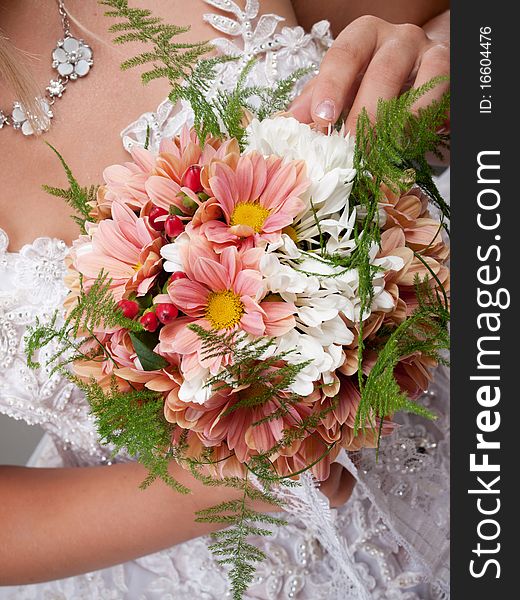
x: 143, y: 343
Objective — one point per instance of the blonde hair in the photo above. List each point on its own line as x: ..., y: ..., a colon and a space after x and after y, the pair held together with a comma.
x: 16, y: 73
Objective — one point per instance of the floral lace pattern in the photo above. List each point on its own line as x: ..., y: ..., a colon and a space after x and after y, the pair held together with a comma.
x: 278, y: 54
x: 31, y: 287
x: 368, y: 549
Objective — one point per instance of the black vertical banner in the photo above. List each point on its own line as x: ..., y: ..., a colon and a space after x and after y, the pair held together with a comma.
x: 485, y: 198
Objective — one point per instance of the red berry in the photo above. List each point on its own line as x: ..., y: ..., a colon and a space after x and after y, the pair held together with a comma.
x: 178, y: 275
x: 129, y: 308
x: 155, y: 213
x: 173, y: 226
x: 191, y: 179
x: 166, y: 313
x: 149, y: 321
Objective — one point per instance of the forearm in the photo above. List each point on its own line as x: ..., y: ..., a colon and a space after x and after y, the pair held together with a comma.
x: 342, y: 12
x: 56, y: 523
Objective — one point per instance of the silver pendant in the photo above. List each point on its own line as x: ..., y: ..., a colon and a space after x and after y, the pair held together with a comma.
x: 19, y: 119
x: 72, y: 58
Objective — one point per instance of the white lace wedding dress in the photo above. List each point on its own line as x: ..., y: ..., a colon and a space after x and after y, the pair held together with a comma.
x: 389, y: 542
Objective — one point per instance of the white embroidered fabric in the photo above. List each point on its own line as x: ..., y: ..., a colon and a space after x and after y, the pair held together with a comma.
x: 389, y: 542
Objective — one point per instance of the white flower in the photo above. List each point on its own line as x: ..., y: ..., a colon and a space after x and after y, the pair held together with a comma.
x: 330, y: 168
x: 301, y: 347
x: 194, y: 388
x: 171, y: 254
x: 320, y: 331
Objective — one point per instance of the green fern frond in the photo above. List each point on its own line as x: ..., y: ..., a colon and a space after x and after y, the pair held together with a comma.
x: 231, y: 545
x: 426, y: 333
x: 276, y: 99
x: 270, y: 377
x: 393, y: 149
x: 97, y: 307
x: 133, y: 421
x: 79, y: 198
x: 94, y: 308
x: 168, y: 59
x: 195, y: 91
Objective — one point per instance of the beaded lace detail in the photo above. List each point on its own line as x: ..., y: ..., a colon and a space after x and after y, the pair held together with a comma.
x: 389, y: 542
x: 278, y: 54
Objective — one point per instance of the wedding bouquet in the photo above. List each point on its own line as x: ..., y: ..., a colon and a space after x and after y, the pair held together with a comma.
x: 259, y: 294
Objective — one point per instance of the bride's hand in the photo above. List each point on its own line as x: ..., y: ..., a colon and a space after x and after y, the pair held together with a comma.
x: 374, y: 59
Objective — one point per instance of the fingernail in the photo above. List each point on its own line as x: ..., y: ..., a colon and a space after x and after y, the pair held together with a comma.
x: 326, y: 110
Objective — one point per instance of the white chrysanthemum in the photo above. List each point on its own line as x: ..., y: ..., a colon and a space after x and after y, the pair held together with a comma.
x: 301, y: 347
x: 330, y: 168
x: 324, y: 296
x: 335, y: 280
x: 171, y: 254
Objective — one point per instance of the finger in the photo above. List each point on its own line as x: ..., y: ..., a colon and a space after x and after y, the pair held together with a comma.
x: 346, y: 486
x: 385, y: 77
x: 300, y: 107
x: 330, y: 485
x: 348, y: 56
x: 434, y: 62
x: 339, y: 485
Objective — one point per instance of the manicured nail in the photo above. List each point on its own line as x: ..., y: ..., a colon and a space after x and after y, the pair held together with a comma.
x: 326, y: 110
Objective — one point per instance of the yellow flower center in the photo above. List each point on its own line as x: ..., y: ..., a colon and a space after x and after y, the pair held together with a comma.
x: 291, y: 232
x: 251, y: 214
x: 225, y: 309
x: 138, y: 267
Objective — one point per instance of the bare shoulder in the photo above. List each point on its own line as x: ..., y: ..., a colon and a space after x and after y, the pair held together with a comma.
x: 92, y: 113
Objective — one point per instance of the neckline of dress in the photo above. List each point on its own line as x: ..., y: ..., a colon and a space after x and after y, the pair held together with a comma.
x: 238, y: 26
x: 4, y: 243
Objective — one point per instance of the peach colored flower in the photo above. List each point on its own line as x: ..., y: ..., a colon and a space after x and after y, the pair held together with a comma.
x: 422, y: 263
x: 104, y: 367
x: 166, y: 187
x: 410, y: 213
x: 125, y: 248
x: 215, y: 421
x: 167, y: 381
x: 126, y: 183
x: 257, y: 198
x: 101, y: 207
x: 313, y: 454
x: 222, y: 292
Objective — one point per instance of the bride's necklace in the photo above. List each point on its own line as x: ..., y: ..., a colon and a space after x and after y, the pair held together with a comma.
x: 72, y: 59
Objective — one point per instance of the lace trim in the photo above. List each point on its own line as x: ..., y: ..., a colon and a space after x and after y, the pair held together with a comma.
x: 278, y: 54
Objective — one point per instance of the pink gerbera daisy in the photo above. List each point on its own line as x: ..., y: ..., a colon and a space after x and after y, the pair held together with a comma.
x: 258, y: 197
x: 125, y: 248
x: 221, y: 292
